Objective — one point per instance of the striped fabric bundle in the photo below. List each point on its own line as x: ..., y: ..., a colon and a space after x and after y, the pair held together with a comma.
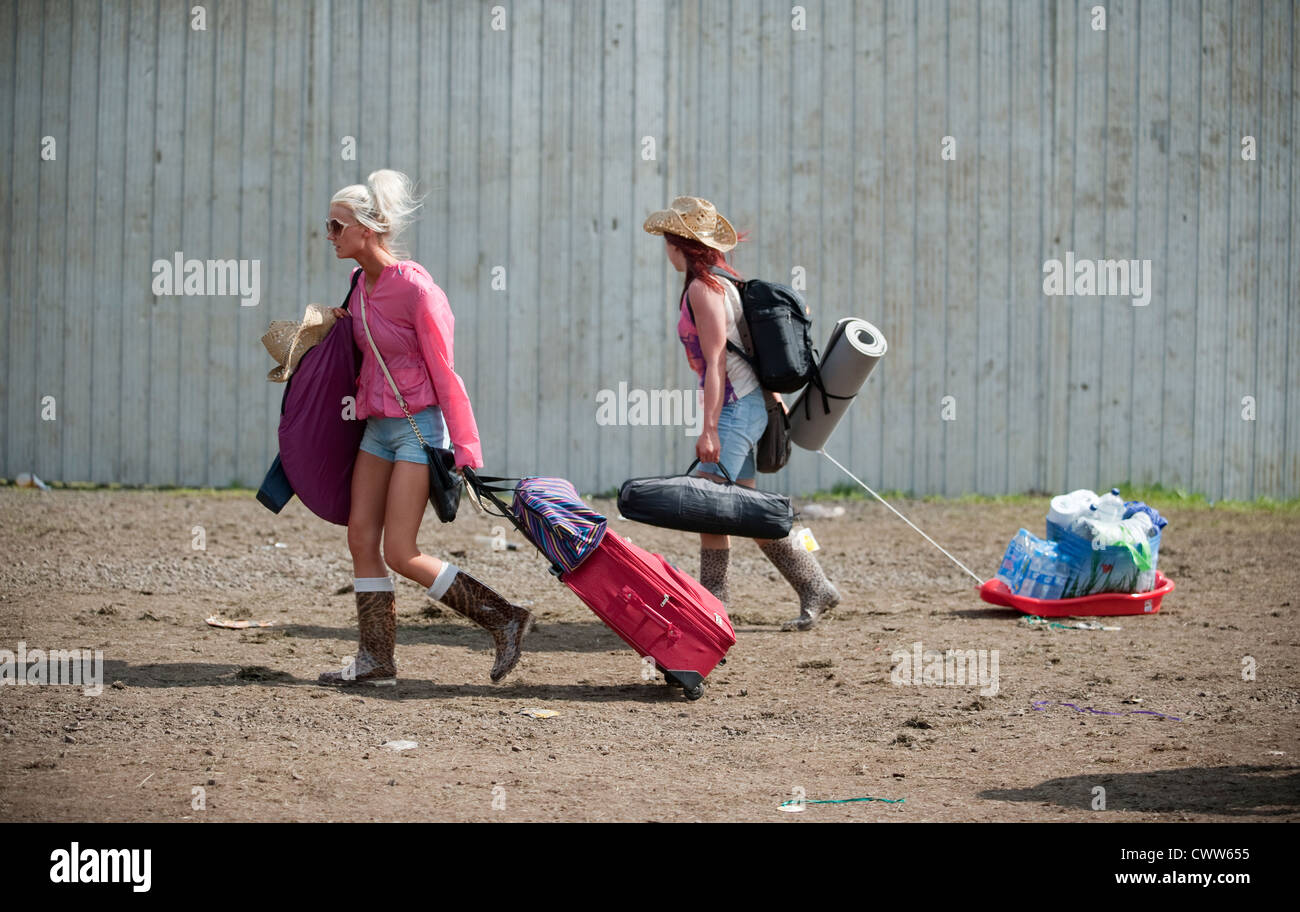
x: 561, y: 526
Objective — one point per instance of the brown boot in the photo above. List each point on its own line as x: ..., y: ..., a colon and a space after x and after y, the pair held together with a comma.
x: 801, y: 570
x: 506, y: 622
x: 374, y: 664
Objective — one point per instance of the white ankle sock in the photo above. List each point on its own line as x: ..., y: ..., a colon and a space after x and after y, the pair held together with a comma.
x: 442, y: 582
x: 372, y: 583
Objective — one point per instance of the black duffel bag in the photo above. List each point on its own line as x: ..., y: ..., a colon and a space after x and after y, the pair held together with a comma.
x: 690, y: 503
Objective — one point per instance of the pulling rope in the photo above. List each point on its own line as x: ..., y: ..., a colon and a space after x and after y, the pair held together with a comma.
x: 901, y: 516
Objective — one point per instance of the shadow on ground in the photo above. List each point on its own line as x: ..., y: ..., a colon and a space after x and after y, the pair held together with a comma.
x: 547, y: 636
x: 204, y: 674
x: 1246, y: 791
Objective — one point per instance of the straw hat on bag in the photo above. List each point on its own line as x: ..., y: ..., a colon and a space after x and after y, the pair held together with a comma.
x: 288, y: 341
x: 694, y: 218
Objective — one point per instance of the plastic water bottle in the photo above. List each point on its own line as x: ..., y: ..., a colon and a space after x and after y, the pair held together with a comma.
x: 1047, y: 573
x: 1110, y: 507
x: 1015, y: 563
x: 1102, y: 523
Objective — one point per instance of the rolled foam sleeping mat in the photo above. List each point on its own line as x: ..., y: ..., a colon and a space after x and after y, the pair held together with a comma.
x: 851, y: 354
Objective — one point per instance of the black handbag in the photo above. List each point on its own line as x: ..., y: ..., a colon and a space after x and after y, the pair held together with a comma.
x: 690, y: 503
x: 774, y: 445
x: 445, y: 485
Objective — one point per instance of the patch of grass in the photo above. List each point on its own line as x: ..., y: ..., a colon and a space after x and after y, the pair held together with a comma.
x: 1157, y: 495
x: 847, y: 490
x: 234, y: 489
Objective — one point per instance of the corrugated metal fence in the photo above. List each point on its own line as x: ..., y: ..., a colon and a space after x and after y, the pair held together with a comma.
x: 132, y: 136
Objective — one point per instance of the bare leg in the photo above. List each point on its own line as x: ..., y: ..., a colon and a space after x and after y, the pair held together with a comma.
x: 408, y: 493
x: 370, y: 476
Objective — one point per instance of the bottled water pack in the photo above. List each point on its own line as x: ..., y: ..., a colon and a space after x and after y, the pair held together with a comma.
x: 1033, y: 568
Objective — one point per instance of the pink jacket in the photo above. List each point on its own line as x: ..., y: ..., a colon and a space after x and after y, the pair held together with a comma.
x: 413, y: 326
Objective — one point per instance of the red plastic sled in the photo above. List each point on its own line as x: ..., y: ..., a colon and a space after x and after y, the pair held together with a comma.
x: 1103, y: 604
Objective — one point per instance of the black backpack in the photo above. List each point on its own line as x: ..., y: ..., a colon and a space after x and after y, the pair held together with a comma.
x: 784, y: 358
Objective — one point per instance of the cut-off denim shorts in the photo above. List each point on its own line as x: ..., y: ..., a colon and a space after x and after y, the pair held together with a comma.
x: 740, y: 426
x: 394, y: 440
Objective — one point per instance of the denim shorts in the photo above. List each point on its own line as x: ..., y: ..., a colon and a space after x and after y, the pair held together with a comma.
x: 393, y: 439
x: 740, y: 426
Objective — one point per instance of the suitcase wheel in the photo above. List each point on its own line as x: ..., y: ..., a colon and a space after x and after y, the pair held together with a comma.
x: 691, y: 683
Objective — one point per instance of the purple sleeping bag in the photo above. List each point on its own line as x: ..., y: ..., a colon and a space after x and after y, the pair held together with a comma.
x: 317, y: 446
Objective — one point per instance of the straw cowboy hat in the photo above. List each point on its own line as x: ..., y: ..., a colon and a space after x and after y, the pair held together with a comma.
x: 288, y: 341
x: 694, y: 218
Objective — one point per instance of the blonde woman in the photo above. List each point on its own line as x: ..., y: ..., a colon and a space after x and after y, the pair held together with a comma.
x: 412, y: 326
x: 695, y: 238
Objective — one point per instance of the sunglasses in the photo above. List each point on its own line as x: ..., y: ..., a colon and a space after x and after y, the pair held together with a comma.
x: 334, y: 226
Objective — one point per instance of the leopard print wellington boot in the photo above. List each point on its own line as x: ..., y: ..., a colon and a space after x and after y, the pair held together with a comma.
x: 374, y: 664
x: 802, y: 571
x: 470, y: 598
x: 713, y: 573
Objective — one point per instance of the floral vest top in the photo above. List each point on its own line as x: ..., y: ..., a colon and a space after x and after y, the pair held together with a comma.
x: 738, y: 369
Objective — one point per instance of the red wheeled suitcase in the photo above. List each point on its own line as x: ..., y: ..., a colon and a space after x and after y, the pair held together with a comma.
x: 656, y: 609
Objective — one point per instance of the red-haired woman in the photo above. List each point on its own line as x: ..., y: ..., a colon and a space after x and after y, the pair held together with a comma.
x: 735, y: 414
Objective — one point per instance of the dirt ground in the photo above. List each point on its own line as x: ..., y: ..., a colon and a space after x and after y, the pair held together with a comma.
x: 237, y: 714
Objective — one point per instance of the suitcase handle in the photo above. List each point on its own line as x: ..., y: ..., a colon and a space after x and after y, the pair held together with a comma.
x: 667, y: 625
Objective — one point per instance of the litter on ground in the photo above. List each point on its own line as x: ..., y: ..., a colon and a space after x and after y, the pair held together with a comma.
x: 795, y: 805
x: 215, y: 621
x: 538, y: 713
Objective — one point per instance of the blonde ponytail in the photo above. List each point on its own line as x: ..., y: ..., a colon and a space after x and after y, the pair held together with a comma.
x: 385, y: 204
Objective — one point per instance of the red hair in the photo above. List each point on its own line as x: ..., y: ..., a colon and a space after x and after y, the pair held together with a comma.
x: 701, y: 258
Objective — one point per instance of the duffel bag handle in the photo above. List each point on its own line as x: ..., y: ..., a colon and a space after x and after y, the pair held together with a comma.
x: 730, y: 480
